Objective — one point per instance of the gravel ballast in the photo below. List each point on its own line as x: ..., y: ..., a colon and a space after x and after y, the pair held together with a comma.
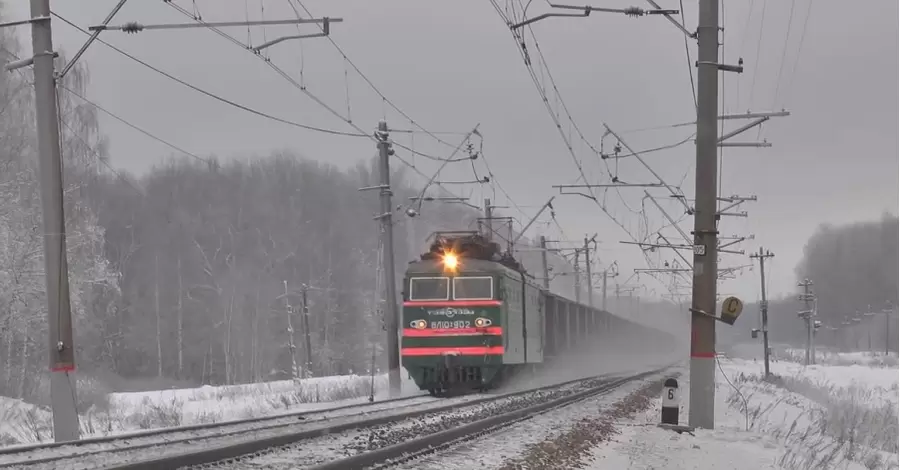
x: 571, y: 448
x: 351, y: 442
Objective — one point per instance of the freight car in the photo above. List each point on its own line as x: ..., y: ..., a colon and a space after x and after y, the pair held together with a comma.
x: 472, y: 317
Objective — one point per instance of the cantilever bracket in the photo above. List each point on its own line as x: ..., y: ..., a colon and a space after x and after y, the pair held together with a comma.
x: 326, y: 30
x: 722, y: 67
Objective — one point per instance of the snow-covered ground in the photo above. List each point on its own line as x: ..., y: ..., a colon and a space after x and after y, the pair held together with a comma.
x: 22, y: 422
x: 820, y: 417
x: 827, y: 357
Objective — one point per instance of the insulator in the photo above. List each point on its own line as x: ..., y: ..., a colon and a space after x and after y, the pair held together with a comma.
x: 132, y: 27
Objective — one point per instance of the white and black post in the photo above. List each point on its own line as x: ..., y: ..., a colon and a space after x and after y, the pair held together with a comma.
x: 670, y: 400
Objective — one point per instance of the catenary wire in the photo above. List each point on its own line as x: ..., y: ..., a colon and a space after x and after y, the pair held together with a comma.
x: 293, y: 82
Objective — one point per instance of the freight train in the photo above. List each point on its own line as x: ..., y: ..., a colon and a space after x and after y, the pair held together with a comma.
x: 473, y: 317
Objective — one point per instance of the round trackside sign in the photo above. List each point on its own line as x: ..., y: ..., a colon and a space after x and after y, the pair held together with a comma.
x: 731, y: 309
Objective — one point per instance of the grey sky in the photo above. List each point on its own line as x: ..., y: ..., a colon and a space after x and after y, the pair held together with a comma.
x: 451, y: 65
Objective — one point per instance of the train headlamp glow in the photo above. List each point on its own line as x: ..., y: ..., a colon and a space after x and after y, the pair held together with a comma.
x: 418, y: 324
x: 450, y: 261
x: 482, y: 322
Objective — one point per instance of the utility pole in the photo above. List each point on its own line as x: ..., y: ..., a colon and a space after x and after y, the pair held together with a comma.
x: 387, y: 246
x: 289, y: 311
x: 305, y: 320
x: 606, y: 276
x: 703, y: 298
x: 488, y: 219
x: 587, y: 270
x: 764, y: 304
x: 887, y: 328
x: 56, y: 271
x: 544, y: 266
x: 577, y: 278
x: 807, y: 297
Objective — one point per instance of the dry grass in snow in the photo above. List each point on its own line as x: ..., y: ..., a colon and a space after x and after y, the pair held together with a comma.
x: 818, y: 420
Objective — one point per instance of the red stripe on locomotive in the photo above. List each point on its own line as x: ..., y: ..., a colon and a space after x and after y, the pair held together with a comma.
x: 462, y: 351
x: 487, y: 331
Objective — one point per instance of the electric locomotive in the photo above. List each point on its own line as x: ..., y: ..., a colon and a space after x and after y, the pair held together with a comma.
x: 471, y: 317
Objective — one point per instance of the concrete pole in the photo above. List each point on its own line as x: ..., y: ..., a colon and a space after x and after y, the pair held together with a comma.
x: 703, y: 301
x: 764, y: 305
x: 544, y: 266
x: 387, y: 260
x: 605, y: 276
x: 289, y: 312
x: 577, y: 278
x: 488, y: 219
x: 807, y: 315
x: 887, y: 330
x: 56, y: 271
x: 306, y: 332
x: 587, y: 272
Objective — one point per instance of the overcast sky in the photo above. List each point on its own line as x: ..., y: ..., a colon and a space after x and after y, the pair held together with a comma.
x: 453, y: 64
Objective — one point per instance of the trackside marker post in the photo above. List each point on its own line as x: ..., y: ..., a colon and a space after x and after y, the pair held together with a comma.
x: 670, y: 399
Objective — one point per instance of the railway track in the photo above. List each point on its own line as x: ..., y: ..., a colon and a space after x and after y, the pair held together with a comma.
x: 352, y: 436
x: 377, y: 440
x: 409, y: 451
x: 57, y: 453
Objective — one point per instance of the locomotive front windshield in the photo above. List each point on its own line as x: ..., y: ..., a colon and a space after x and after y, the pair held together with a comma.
x: 429, y: 288
x: 473, y: 288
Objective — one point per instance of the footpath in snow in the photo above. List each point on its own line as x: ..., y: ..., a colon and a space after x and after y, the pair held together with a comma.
x: 820, y: 417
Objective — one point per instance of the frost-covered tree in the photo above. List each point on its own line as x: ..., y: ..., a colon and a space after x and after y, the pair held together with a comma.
x: 93, y: 284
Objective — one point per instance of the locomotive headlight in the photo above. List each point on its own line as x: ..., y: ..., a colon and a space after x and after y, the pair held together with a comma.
x: 418, y: 324
x: 451, y: 261
x: 483, y: 322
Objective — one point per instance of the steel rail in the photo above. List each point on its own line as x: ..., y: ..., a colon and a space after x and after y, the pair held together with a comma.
x: 409, y: 450
x: 194, y: 427
x: 23, y: 449
x: 250, y: 447
x: 239, y: 449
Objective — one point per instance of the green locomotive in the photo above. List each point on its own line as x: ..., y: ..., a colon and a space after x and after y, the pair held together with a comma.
x: 472, y: 317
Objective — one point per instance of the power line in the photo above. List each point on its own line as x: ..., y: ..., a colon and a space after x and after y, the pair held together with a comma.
x: 210, y: 94
x: 371, y: 84
x: 762, y: 22
x: 122, y: 120
x: 522, y: 48
x: 561, y: 101
x: 142, y: 131
x: 687, y: 52
x: 101, y: 159
x: 784, y: 50
x: 800, y: 47
x: 293, y: 82
x: 74, y: 133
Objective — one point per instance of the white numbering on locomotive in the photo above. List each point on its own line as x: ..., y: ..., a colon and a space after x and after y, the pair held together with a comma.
x: 451, y: 324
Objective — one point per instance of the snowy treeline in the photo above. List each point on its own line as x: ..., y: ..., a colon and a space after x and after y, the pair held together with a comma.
x: 93, y: 282
x: 853, y: 267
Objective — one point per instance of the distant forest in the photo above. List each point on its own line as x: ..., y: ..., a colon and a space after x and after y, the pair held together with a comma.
x: 854, y: 270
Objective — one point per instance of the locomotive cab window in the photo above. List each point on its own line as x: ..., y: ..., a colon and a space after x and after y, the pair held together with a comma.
x: 473, y: 288
x: 429, y: 288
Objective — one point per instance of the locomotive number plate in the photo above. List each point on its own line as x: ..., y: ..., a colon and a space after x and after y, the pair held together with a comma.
x: 450, y: 324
